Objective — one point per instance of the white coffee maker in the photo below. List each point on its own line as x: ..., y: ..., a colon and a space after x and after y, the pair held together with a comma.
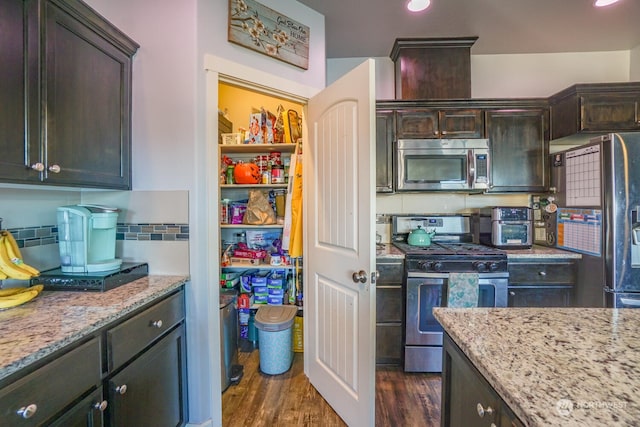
x: 87, y: 238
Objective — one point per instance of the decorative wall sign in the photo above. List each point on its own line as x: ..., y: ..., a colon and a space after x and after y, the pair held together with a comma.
x: 264, y: 30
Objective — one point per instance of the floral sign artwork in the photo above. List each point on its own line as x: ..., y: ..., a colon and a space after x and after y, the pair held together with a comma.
x: 264, y: 30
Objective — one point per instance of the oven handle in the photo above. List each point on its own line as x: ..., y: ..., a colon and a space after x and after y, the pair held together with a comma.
x: 421, y: 275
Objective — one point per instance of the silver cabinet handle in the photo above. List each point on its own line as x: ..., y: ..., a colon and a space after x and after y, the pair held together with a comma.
x: 360, y: 276
x: 542, y: 273
x: 28, y: 411
x: 37, y: 167
x: 121, y: 389
x: 481, y: 410
x: 100, y: 406
x: 512, y: 293
x: 157, y: 324
x: 54, y: 169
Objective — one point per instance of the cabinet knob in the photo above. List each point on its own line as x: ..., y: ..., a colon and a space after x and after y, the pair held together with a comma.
x: 481, y: 410
x: 39, y: 167
x: 542, y: 273
x: 444, y: 132
x: 28, y: 411
x: 121, y: 389
x: 157, y: 324
x: 54, y: 169
x: 513, y: 294
x: 101, y: 406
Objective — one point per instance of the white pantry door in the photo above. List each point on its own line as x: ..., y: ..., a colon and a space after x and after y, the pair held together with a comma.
x: 339, y: 195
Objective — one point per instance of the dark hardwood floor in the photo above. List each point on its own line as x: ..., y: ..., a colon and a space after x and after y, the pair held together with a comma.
x: 288, y: 399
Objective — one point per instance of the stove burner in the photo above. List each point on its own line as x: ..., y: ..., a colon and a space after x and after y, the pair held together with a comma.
x: 447, y: 257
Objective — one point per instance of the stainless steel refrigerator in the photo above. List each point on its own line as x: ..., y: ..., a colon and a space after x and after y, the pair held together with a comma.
x: 598, y: 199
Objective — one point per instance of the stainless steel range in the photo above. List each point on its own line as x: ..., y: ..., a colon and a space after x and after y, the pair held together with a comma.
x: 426, y: 280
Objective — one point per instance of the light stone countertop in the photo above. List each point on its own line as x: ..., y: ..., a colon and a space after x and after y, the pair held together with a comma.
x: 541, y: 252
x: 56, y: 319
x: 387, y: 250
x: 588, y: 359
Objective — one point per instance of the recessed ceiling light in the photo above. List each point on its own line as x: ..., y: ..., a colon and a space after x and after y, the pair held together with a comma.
x: 419, y: 5
x: 602, y: 3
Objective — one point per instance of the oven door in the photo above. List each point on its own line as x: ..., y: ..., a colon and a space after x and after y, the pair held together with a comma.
x: 428, y: 290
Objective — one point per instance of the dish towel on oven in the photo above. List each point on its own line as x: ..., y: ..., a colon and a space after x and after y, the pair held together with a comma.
x: 463, y: 290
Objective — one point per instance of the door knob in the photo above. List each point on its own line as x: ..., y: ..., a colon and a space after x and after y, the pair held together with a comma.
x: 360, y: 276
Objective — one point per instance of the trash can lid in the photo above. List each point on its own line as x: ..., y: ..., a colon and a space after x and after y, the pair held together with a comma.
x: 274, y: 318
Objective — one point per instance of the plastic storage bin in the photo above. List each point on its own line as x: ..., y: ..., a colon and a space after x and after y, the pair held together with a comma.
x: 274, y: 325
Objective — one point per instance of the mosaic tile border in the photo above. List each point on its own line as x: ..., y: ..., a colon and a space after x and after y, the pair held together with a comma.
x: 48, y: 234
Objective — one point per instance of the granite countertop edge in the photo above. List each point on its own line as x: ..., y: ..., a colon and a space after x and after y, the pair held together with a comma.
x: 28, y: 348
x: 581, y: 356
x: 389, y: 251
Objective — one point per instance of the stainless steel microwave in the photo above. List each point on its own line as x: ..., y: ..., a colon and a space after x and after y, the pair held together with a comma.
x: 442, y: 164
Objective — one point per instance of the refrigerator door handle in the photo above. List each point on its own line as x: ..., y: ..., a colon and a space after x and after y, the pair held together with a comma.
x: 630, y: 302
x: 635, y: 235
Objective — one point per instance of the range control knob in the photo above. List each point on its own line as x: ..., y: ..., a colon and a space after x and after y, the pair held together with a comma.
x: 479, y: 266
x: 437, y: 266
x: 493, y: 266
x: 423, y: 265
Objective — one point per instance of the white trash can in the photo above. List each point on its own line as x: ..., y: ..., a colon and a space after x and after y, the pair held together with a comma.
x: 274, y: 323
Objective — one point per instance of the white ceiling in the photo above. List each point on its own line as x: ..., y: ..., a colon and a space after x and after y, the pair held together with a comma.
x: 368, y: 28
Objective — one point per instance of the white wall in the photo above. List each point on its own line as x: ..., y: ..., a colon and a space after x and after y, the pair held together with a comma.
x: 515, y: 76
x: 542, y: 75
x: 170, y: 152
x: 634, y: 73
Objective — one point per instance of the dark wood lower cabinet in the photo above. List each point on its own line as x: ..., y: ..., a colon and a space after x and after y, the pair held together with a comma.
x: 468, y: 400
x: 87, y: 413
x: 76, y: 388
x: 541, y: 297
x: 389, y: 311
x: 151, y: 390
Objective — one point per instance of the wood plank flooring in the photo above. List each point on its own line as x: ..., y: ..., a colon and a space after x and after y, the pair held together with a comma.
x: 288, y: 399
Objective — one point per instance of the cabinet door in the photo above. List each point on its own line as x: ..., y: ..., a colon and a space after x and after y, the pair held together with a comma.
x: 519, y: 141
x: 151, y: 391
x: 86, y: 413
x: 87, y: 91
x: 559, y: 296
x: 416, y: 124
x: 384, y: 151
x: 467, y: 123
x: 610, y: 112
x: 34, y: 399
x: 19, y: 109
x: 467, y: 399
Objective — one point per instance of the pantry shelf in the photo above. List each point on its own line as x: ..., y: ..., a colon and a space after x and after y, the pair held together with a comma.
x: 253, y: 185
x: 253, y: 148
x: 276, y: 226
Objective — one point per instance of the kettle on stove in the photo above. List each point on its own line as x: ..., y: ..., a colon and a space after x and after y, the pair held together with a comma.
x: 420, y: 237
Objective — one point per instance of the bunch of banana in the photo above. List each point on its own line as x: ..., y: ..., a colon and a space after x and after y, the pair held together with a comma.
x: 12, y: 297
x: 11, y: 263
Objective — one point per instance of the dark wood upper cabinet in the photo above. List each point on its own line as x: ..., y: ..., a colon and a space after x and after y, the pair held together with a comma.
x: 432, y: 68
x: 519, y: 141
x: 595, y: 108
x: 385, y: 132
x: 440, y: 123
x: 19, y: 106
x: 68, y: 71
